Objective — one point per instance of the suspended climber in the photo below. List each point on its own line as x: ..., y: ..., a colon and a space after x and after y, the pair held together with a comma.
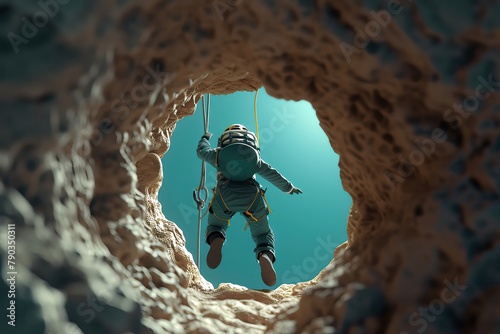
x: 237, y: 160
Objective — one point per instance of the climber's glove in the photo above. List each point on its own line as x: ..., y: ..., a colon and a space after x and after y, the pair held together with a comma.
x: 295, y: 190
x: 207, y: 135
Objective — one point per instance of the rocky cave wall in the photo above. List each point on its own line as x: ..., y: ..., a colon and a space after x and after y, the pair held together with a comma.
x: 407, y: 93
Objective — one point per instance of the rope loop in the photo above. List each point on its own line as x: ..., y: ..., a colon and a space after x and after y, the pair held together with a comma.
x: 200, y: 194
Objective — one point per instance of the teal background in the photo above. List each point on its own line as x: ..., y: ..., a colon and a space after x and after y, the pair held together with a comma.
x: 307, y: 227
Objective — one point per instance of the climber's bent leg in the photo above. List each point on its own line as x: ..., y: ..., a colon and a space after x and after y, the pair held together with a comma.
x: 215, y: 226
x: 218, y: 221
x: 263, y: 237
x: 262, y: 234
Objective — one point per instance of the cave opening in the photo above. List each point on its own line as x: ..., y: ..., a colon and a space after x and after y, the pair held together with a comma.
x: 307, y: 227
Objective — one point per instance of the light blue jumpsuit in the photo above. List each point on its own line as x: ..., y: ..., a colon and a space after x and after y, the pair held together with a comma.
x: 244, y: 197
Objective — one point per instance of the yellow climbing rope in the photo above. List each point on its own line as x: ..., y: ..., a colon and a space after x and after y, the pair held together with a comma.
x: 256, y: 117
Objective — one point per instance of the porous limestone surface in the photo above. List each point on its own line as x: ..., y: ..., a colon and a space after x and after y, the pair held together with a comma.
x: 406, y: 91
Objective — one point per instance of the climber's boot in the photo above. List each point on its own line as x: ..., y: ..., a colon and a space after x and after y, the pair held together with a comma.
x: 214, y: 255
x: 266, y: 268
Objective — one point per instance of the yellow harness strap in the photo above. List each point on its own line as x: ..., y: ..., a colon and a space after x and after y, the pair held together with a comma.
x: 265, y: 200
x: 210, y: 204
x: 251, y: 215
x: 251, y: 204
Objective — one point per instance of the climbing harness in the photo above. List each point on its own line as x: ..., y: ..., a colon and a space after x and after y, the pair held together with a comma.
x: 248, y: 212
x: 200, y: 194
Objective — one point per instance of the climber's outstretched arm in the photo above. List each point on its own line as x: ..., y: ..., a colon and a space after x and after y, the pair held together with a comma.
x: 205, y: 151
x: 278, y: 180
